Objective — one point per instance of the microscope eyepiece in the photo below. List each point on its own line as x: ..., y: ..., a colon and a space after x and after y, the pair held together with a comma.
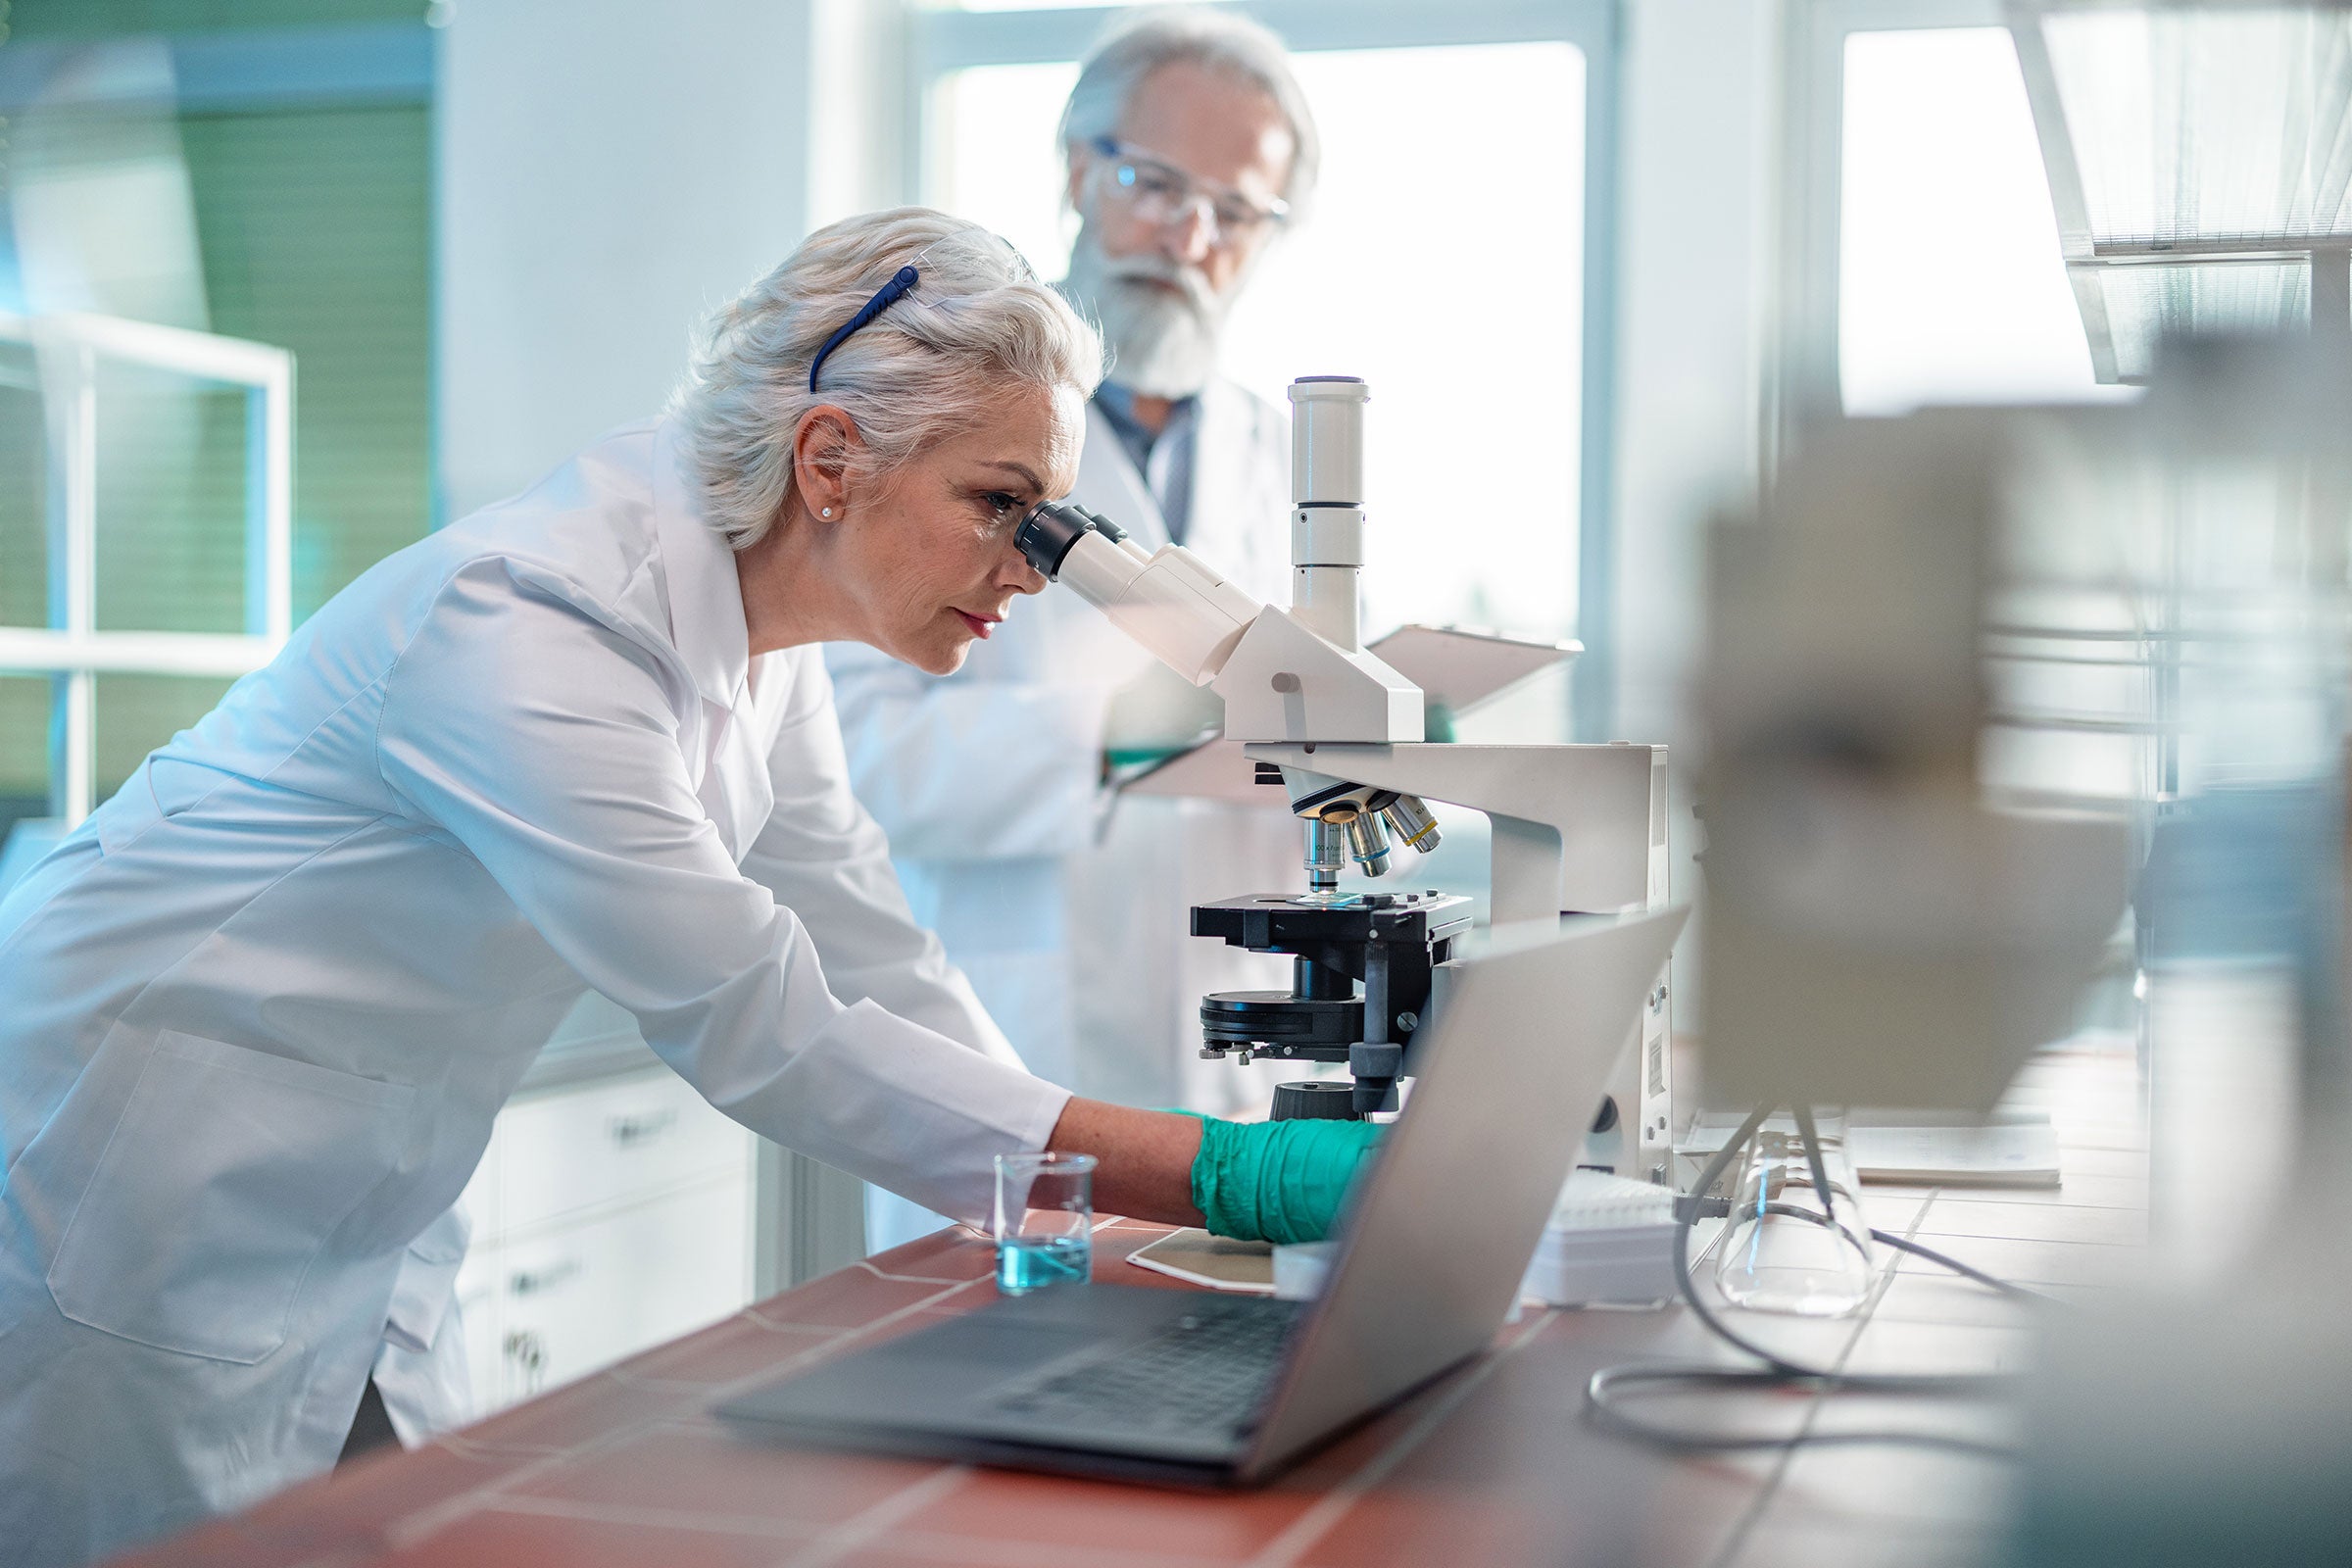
x: 1047, y: 535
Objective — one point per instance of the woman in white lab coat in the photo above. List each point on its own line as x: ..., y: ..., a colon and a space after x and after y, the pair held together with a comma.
x: 257, y: 1012
x: 1068, y: 905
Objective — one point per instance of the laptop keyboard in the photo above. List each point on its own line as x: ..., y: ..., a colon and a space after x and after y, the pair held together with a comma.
x: 1209, y: 1370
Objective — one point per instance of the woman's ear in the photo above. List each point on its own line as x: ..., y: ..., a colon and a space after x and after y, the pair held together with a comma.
x: 822, y: 449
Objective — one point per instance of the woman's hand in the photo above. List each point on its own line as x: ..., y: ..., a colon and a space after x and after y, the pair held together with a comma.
x: 1279, y: 1181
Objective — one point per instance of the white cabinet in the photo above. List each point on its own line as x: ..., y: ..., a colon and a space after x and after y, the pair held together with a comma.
x: 595, y: 1144
x: 609, y: 1216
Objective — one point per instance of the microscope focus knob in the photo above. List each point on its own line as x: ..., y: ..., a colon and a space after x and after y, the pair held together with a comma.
x: 1314, y: 1101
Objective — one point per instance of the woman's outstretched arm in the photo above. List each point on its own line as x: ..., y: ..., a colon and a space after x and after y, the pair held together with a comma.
x: 1146, y: 1169
x: 1275, y: 1181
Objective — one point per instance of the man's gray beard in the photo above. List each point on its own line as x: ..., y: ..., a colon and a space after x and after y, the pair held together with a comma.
x: 1160, y: 346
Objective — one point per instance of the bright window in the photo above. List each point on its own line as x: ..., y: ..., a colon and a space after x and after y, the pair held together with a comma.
x: 1443, y: 262
x: 1950, y: 284
x: 311, y: 234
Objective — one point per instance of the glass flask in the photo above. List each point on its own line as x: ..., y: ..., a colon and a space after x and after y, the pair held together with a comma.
x: 1795, y: 1240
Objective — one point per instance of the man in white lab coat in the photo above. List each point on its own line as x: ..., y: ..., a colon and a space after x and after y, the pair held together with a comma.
x: 1189, y: 146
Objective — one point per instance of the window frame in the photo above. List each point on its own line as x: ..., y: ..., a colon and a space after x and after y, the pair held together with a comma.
x: 1805, y: 381
x: 233, y: 69
x: 940, y: 42
x: 72, y: 650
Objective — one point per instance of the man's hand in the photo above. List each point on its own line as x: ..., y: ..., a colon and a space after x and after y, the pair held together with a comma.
x: 1156, y: 713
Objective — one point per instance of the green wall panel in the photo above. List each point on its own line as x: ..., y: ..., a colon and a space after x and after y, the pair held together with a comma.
x: 315, y: 229
x: 112, y: 19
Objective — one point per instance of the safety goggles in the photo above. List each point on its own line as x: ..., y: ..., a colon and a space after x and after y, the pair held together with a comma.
x: 1161, y: 193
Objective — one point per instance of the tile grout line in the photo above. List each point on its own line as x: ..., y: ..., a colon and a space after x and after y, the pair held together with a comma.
x: 868, y: 1264
x: 970, y: 1552
x: 851, y: 1333
x: 756, y: 1527
x: 411, y: 1529
x: 848, y: 1336
x: 619, y: 1371
x: 1745, y: 1526
x: 1327, y: 1510
x: 872, y: 1523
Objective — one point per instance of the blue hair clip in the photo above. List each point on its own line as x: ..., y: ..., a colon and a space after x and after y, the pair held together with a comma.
x: 885, y: 297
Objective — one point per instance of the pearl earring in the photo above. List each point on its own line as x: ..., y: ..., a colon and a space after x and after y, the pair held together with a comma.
x: 824, y: 511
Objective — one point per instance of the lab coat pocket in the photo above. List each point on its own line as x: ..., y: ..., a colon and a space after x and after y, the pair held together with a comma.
x: 227, y: 1172
x: 427, y: 1284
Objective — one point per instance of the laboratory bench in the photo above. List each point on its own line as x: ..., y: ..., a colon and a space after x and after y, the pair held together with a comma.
x: 1492, y: 1464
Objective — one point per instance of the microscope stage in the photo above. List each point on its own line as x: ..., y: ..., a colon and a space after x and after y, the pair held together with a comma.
x: 1287, y: 922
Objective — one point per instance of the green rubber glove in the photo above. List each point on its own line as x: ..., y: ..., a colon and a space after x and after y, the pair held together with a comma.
x: 1277, y: 1181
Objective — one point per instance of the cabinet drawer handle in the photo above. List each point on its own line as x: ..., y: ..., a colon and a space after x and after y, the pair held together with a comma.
x: 527, y: 1352
x: 524, y: 1283
x: 630, y: 1131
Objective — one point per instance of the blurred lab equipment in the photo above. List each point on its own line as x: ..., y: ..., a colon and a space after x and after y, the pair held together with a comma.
x: 2195, y: 161
x: 1813, y: 1261
x: 2207, y: 1416
x: 1043, y: 1220
x: 1891, y: 919
x: 1879, y: 929
x: 2065, y: 645
x: 1576, y: 829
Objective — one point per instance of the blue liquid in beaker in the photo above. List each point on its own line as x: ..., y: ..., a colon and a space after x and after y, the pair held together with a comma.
x: 1027, y: 1264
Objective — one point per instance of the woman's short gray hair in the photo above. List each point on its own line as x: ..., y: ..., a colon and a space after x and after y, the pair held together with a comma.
x: 932, y: 366
x: 1216, y: 42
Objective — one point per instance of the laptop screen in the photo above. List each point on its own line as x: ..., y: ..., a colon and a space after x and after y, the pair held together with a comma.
x: 1438, y: 1233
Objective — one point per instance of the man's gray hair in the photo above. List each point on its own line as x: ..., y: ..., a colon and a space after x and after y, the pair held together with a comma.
x: 1216, y: 42
x: 977, y: 325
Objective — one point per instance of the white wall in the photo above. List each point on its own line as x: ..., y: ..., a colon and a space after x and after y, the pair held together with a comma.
x: 1696, y: 234
x: 606, y: 171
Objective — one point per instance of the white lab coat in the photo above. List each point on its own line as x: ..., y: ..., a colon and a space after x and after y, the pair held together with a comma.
x: 1069, y: 910
x: 263, y: 1005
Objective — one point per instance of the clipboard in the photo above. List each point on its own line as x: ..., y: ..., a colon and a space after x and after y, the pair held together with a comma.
x: 1457, y: 670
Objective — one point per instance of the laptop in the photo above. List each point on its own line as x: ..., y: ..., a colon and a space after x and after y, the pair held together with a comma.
x: 1198, y: 1389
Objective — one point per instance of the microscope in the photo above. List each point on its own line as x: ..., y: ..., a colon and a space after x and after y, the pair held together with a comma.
x: 1576, y: 829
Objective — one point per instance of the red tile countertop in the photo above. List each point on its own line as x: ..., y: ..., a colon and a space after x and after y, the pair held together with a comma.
x: 1492, y: 1465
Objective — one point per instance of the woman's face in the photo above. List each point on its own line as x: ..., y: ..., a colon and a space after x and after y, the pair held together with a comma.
x: 928, y: 551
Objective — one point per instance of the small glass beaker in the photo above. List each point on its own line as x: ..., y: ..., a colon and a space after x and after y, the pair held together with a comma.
x: 1797, y: 1241
x: 1044, y: 1220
